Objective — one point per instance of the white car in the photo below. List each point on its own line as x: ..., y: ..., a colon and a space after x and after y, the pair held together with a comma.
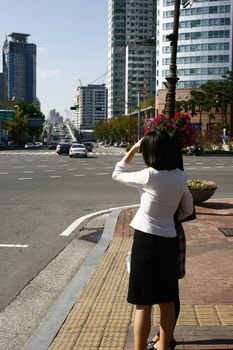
x: 78, y: 149
x: 29, y: 145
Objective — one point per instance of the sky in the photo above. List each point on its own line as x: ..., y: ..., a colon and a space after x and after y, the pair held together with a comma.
x: 71, y: 38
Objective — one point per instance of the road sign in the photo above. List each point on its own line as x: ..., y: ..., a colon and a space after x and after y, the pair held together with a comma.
x: 7, y: 112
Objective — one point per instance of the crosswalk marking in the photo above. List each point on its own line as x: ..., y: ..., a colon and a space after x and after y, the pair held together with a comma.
x: 14, y: 245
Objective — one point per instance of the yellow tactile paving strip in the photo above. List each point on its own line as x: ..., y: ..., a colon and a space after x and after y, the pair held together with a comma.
x: 101, y: 316
x: 201, y: 315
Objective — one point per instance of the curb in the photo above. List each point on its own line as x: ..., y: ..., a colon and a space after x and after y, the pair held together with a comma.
x: 49, y: 327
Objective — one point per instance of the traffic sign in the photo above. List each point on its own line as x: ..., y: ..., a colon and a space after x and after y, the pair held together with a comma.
x: 7, y: 112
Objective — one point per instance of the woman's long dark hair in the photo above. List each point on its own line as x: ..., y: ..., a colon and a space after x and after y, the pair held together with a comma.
x: 161, y: 151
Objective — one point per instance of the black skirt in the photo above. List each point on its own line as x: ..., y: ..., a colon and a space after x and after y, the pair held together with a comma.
x: 153, y: 272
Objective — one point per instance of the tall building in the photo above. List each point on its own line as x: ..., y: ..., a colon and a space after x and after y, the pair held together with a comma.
x: 131, y: 54
x: 91, y: 106
x: 1, y: 87
x: 205, y: 45
x: 19, y: 68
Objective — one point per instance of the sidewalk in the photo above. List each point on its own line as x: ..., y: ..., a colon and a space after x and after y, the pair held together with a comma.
x: 102, y: 319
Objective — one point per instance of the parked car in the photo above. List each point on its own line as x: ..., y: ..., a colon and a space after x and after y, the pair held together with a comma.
x: 78, y: 149
x: 52, y: 145
x: 123, y: 144
x: 63, y: 148
x: 89, y: 146
x: 38, y: 144
x: 29, y: 145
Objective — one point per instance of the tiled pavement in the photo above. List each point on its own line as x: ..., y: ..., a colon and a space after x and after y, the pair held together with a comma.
x: 102, y: 319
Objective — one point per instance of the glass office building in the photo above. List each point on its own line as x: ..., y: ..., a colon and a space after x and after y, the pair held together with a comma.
x: 19, y: 68
x: 205, y: 44
x: 131, y: 53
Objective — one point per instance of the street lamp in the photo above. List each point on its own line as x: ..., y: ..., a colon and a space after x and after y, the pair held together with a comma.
x: 172, y: 77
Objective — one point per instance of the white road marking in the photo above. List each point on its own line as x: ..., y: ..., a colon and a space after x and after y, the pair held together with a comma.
x: 14, y: 245
x: 90, y: 168
x: 109, y: 167
x: 102, y: 174
x: 190, y: 168
x: 4, y: 173
x: 18, y: 166
x: 199, y: 163
x: 49, y: 170
x: 77, y: 222
x: 54, y: 176
x: 79, y: 175
x: 71, y: 169
x: 28, y: 171
x: 206, y: 167
x: 42, y: 166
x: 220, y: 166
x: 24, y: 178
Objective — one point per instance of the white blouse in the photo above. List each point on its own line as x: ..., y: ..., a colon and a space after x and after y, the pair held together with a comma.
x: 161, y: 192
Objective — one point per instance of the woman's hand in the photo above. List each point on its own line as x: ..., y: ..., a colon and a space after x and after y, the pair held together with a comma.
x: 133, y: 150
x: 137, y: 144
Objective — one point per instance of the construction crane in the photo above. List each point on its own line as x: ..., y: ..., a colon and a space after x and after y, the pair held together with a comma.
x: 102, y: 76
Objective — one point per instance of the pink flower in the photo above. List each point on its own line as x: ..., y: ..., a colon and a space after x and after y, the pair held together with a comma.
x: 180, y: 125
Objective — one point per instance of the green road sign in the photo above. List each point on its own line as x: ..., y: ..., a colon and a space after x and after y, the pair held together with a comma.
x: 7, y: 112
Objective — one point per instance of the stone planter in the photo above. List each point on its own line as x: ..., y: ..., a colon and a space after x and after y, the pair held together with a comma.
x: 200, y: 196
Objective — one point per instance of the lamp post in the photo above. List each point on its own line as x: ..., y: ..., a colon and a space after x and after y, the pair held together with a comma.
x: 172, y: 77
x: 138, y: 121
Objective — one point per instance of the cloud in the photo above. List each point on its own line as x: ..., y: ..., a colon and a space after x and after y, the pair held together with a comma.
x: 47, y: 74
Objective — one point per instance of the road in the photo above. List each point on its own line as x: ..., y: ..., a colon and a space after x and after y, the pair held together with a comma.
x: 43, y: 193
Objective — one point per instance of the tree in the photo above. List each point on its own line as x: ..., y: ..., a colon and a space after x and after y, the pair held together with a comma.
x: 221, y: 94
x: 19, y: 126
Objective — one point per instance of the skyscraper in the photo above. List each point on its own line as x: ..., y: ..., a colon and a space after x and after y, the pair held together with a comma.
x: 131, y: 53
x: 19, y: 68
x: 205, y: 42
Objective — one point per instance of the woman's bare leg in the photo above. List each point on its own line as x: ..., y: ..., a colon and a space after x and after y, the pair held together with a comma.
x: 167, y: 324
x: 142, y: 324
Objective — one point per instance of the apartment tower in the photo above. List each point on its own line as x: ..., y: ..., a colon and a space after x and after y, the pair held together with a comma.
x: 205, y: 44
x: 91, y: 106
x: 131, y: 54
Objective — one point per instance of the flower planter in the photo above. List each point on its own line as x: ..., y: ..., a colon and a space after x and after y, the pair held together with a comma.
x: 200, y: 196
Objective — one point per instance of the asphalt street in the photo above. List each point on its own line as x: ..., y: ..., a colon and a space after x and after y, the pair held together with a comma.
x: 42, y: 194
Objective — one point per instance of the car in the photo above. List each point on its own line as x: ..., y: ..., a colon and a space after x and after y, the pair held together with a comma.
x: 89, y: 146
x: 123, y: 144
x: 77, y: 149
x: 52, y: 145
x: 38, y: 144
x: 29, y: 145
x: 63, y: 148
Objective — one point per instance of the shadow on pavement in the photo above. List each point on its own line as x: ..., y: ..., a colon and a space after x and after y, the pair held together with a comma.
x: 216, y: 205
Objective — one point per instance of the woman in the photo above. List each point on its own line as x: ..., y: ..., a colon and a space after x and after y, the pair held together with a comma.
x: 153, y: 276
